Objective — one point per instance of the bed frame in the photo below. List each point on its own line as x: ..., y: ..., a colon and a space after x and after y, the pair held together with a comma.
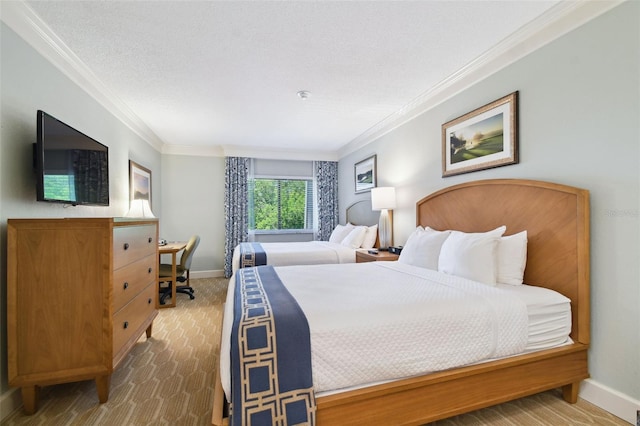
x: 556, y: 218
x: 360, y: 213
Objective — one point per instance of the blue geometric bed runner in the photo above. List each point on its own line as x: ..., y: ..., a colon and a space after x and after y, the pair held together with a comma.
x: 252, y: 254
x: 271, y: 381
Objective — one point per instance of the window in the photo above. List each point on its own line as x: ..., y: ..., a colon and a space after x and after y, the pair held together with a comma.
x: 279, y: 204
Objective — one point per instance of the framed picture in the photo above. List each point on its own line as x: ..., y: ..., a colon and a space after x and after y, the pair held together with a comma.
x: 139, y: 182
x: 365, y: 174
x: 481, y: 139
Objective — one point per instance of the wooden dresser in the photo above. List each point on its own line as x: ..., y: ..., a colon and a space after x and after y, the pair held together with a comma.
x: 80, y: 293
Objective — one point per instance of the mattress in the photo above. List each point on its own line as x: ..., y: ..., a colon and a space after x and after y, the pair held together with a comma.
x: 548, y: 313
x: 377, y: 322
x: 302, y: 253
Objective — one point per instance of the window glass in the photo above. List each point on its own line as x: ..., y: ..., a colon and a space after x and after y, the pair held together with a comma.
x: 279, y: 204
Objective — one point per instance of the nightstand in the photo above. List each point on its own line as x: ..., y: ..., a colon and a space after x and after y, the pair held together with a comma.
x: 382, y: 256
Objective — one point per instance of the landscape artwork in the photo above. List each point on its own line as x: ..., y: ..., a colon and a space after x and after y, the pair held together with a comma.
x: 481, y: 139
x: 140, y: 182
x: 477, y: 140
x: 365, y: 174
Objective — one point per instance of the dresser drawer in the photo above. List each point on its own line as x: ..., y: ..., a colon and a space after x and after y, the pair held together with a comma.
x: 131, y: 243
x: 129, y: 280
x: 128, y: 320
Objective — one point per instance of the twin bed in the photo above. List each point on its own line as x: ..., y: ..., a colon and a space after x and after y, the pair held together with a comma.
x: 405, y: 373
x: 307, y: 252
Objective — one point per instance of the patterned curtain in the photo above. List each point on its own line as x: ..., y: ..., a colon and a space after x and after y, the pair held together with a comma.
x: 236, y: 207
x: 326, y: 175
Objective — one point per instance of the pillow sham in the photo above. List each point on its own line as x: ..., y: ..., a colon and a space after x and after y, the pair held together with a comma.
x: 423, y: 249
x: 370, y: 237
x: 471, y: 255
x: 340, y: 232
x: 355, y: 237
x: 512, y: 258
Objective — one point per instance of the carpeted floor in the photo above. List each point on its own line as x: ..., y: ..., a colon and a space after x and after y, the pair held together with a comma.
x: 168, y: 380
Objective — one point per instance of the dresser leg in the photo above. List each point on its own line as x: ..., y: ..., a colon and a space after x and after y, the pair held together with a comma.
x: 30, y: 395
x: 102, y: 385
x: 149, y: 330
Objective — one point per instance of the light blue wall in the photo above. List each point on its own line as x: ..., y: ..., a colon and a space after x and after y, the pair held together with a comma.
x: 28, y: 82
x: 579, y: 125
x: 193, y: 203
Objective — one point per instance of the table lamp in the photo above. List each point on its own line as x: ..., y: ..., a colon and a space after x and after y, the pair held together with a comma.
x: 384, y: 199
x: 140, y: 208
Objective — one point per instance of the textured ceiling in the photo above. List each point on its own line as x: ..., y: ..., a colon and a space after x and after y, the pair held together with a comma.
x: 226, y: 73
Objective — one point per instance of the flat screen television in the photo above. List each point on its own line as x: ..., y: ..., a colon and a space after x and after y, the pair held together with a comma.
x: 71, y: 167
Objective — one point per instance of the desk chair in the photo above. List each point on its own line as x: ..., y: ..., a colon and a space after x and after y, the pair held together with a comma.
x: 182, y: 272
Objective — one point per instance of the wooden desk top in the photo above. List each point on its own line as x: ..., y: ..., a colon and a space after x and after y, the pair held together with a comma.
x: 172, y: 247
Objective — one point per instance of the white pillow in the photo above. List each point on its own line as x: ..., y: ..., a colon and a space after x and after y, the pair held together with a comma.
x: 340, y: 232
x: 512, y: 258
x: 423, y: 249
x: 417, y: 231
x: 435, y: 231
x: 471, y: 255
x: 370, y: 237
x: 355, y: 237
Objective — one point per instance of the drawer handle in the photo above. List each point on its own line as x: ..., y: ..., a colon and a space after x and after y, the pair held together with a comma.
x: 150, y: 270
x: 125, y: 285
x: 149, y: 301
x: 126, y: 246
x: 125, y: 325
x: 150, y: 240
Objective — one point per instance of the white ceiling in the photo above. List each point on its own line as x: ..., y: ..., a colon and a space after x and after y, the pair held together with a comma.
x: 202, y: 75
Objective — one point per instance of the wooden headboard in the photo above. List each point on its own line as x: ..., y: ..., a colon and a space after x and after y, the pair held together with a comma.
x: 556, y: 218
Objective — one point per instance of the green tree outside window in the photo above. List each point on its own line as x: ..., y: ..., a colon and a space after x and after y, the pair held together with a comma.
x: 281, y: 204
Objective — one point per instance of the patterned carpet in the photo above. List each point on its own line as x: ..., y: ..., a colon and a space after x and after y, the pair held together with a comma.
x: 168, y: 380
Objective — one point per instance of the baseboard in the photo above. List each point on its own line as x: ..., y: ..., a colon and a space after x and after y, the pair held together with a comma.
x: 617, y: 403
x: 10, y: 401
x: 214, y: 273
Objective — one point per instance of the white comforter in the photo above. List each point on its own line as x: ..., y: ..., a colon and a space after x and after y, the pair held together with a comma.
x: 302, y: 253
x: 377, y: 321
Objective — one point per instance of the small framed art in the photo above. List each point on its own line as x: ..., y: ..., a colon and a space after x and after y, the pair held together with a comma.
x: 365, y: 174
x: 140, y: 182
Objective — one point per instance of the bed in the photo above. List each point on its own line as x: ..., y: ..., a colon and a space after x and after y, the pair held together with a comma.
x: 311, y: 252
x: 556, y: 218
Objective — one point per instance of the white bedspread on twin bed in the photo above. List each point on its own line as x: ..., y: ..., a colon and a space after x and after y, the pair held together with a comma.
x: 302, y: 253
x: 386, y: 320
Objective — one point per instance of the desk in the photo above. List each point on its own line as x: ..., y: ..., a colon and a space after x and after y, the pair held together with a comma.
x: 173, y: 249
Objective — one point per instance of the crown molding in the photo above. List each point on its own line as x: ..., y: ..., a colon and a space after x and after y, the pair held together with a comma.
x: 24, y: 21
x: 197, y: 151
x: 551, y: 25
x: 279, y: 154
x: 249, y: 151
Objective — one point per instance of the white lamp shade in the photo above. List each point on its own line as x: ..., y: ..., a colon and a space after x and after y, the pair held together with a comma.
x: 383, y: 197
x: 140, y: 208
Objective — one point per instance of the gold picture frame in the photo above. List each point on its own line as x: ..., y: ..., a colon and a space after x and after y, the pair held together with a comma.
x: 484, y: 138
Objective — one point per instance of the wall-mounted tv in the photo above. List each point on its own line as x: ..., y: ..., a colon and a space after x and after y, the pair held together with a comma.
x: 71, y: 167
